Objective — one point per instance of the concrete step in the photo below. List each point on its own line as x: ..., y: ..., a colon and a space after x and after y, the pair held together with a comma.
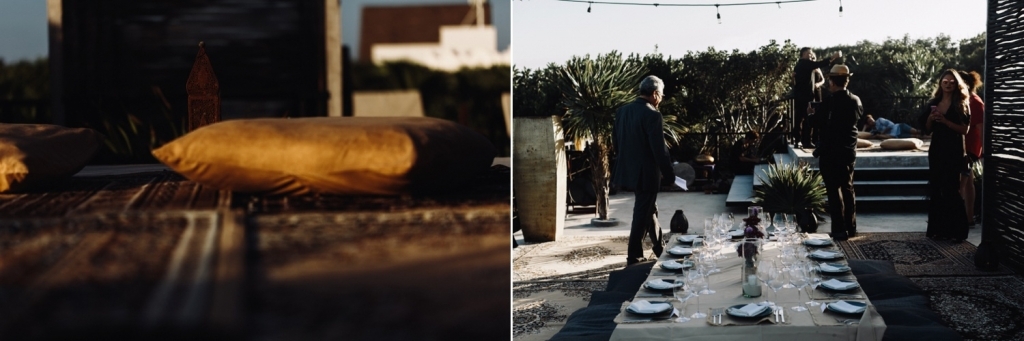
x: 741, y: 193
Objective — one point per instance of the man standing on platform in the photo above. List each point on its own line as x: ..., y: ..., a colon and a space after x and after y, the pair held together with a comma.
x: 803, y: 91
x: 643, y: 164
x: 837, y: 118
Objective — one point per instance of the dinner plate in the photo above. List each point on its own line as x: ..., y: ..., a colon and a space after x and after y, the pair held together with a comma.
x: 680, y: 251
x: 736, y: 233
x: 674, y: 265
x: 734, y: 311
x: 687, y: 238
x: 825, y: 254
x: 835, y: 269
x: 661, y: 308
x: 834, y: 284
x: 665, y: 288
x: 843, y: 307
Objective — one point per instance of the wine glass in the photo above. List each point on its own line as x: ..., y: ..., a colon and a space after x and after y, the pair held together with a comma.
x: 798, y: 278
x: 776, y: 280
x: 697, y: 282
x: 813, y: 280
x: 779, y: 221
x: 764, y: 270
x: 682, y: 294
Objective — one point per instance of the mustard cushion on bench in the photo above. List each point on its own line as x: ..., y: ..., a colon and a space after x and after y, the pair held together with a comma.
x: 902, y: 144
x: 336, y: 155
x: 862, y: 143
x: 35, y: 154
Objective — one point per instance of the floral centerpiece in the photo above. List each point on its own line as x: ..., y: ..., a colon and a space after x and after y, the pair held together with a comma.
x: 748, y: 248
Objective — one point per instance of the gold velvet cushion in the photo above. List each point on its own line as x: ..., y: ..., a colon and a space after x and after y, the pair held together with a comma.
x: 36, y: 154
x: 862, y: 143
x: 338, y: 155
x: 902, y: 144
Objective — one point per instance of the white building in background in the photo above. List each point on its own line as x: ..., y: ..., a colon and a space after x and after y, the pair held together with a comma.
x: 459, y: 46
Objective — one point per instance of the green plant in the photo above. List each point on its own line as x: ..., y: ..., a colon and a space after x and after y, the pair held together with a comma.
x: 592, y: 90
x: 789, y: 188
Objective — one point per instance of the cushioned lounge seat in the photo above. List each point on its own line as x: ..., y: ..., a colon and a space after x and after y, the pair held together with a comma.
x: 593, y: 323
x: 900, y: 302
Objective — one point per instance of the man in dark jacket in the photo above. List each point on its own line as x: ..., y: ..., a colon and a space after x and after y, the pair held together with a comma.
x: 643, y: 164
x: 837, y: 117
x: 803, y: 93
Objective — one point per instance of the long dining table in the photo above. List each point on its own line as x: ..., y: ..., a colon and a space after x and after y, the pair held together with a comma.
x: 816, y: 323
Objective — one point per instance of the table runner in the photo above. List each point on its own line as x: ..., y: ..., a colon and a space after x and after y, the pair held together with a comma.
x: 726, y: 283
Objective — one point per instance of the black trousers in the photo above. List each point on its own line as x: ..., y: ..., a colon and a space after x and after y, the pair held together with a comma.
x: 803, y: 131
x: 645, y: 222
x: 947, y: 217
x: 842, y: 205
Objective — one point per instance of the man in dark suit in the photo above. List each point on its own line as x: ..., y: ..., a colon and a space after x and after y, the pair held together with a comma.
x: 803, y: 90
x: 643, y: 164
x: 837, y: 118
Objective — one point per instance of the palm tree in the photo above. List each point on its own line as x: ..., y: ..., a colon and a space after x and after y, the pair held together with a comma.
x: 592, y: 90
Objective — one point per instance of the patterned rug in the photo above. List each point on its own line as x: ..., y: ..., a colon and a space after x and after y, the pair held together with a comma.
x: 979, y: 308
x: 551, y: 280
x: 915, y: 255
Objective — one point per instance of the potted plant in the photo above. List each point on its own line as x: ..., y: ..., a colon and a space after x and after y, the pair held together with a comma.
x: 794, y: 189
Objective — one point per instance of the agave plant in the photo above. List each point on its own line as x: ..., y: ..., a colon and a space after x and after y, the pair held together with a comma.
x: 789, y: 188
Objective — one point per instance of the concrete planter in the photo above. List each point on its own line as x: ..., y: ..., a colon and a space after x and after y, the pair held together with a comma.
x: 539, y: 176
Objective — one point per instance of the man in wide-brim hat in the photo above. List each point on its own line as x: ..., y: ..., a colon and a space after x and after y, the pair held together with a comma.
x: 837, y: 118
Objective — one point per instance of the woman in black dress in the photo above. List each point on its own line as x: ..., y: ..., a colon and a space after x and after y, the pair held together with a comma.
x: 948, y: 120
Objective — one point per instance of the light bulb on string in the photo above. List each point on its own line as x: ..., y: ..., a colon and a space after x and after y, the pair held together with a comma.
x: 588, y: 6
x: 718, y: 14
x: 840, y: 8
x: 778, y: 3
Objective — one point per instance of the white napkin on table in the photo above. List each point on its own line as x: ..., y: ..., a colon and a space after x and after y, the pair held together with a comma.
x: 846, y: 307
x: 661, y: 283
x: 817, y: 241
x: 826, y: 267
x: 824, y: 254
x: 679, y: 250
x: 751, y: 309
x: 644, y: 307
x: 687, y: 238
x: 838, y: 285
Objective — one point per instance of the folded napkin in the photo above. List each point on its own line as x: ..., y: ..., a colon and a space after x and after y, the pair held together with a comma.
x: 818, y: 236
x: 824, y: 254
x: 848, y: 307
x: 661, y: 283
x: 752, y: 309
x: 816, y: 241
x: 826, y: 267
x: 644, y: 307
x: 838, y: 285
x: 688, y: 238
x: 679, y: 250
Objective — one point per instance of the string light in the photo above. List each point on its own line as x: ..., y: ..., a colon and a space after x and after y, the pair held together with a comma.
x: 778, y: 4
x: 718, y: 14
x: 592, y: 3
x: 840, y: 8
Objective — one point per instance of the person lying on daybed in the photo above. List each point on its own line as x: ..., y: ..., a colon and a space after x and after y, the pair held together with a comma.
x: 881, y: 128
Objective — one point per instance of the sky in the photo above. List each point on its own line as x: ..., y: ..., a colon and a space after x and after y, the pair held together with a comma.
x: 23, y: 24
x: 550, y: 31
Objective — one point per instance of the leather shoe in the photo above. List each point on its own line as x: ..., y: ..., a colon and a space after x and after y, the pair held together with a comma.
x: 631, y: 261
x: 839, y: 237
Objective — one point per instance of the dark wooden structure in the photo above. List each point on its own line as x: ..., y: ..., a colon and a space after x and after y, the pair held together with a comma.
x: 203, y: 92
x: 124, y: 57
x: 1003, y: 186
